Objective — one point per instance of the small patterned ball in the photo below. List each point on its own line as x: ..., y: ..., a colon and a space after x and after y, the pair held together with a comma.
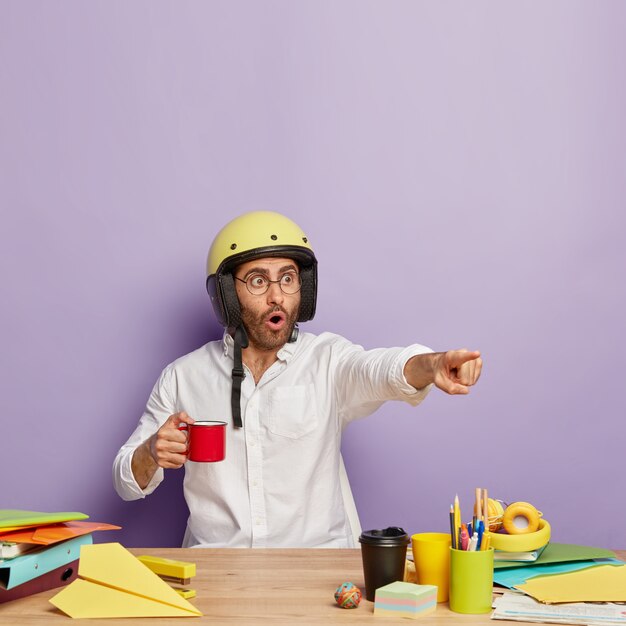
x: 348, y: 596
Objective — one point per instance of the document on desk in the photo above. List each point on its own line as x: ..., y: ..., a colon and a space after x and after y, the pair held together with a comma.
x: 114, y: 583
x: 520, y: 608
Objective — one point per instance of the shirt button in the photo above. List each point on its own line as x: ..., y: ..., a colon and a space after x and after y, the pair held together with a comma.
x: 255, y: 483
x: 251, y: 443
x: 257, y: 521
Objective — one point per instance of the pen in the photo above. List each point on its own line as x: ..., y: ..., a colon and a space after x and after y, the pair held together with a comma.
x: 480, y: 531
x: 486, y: 541
x: 473, y: 544
x: 464, y: 537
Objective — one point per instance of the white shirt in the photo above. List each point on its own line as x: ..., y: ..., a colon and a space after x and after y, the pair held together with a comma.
x: 279, y: 485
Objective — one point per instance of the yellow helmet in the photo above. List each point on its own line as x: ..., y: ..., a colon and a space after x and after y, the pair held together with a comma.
x: 251, y: 236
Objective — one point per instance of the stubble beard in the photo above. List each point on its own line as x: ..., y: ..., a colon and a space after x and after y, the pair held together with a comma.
x: 260, y: 335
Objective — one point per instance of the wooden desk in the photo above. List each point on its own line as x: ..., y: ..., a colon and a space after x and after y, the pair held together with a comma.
x: 240, y: 586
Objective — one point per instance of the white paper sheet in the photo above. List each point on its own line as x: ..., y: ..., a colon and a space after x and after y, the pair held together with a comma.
x: 521, y: 608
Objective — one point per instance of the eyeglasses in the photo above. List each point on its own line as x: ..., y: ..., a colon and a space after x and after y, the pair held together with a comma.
x: 258, y: 284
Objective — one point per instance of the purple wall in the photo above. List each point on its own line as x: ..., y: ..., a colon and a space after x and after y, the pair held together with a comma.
x: 460, y: 170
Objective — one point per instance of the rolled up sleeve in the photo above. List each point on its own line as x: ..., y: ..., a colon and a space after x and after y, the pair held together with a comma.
x: 159, y: 407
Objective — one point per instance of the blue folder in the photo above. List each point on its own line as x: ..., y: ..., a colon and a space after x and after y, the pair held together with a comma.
x: 28, y: 566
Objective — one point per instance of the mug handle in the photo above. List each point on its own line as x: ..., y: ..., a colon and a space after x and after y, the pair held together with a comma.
x: 184, y: 426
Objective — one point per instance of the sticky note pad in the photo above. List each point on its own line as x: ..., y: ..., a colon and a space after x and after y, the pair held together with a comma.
x: 402, y: 599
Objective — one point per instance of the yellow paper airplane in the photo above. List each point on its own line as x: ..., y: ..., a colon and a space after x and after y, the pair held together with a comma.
x: 113, y: 583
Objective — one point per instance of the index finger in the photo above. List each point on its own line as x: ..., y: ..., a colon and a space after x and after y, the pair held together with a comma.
x: 463, y: 356
x: 177, y: 419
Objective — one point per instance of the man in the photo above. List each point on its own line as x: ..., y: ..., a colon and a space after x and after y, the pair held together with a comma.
x: 286, y: 395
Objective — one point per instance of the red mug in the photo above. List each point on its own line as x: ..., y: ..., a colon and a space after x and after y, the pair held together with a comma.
x: 206, y: 441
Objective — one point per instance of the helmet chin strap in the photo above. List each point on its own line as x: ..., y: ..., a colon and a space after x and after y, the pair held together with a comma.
x: 240, y: 342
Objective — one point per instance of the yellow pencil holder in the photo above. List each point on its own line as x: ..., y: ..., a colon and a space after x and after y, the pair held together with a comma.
x: 471, y: 581
x: 431, y: 555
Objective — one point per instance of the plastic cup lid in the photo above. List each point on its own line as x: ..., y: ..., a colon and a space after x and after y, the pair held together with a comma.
x: 392, y: 536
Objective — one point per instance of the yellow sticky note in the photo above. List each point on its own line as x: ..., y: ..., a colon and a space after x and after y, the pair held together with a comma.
x: 605, y: 583
x: 113, y: 583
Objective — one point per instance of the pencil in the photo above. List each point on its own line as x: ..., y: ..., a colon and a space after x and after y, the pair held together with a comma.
x: 457, y: 518
x: 452, y: 531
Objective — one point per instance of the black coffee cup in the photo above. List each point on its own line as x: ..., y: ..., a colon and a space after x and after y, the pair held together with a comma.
x: 384, y: 557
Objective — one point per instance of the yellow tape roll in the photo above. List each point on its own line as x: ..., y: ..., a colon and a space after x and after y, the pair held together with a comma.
x: 522, y: 543
x: 520, y: 518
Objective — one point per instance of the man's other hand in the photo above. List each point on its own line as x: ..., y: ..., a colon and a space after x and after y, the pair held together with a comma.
x: 457, y: 370
x: 453, y: 371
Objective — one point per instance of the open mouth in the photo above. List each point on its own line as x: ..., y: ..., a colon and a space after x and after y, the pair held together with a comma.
x: 276, y: 321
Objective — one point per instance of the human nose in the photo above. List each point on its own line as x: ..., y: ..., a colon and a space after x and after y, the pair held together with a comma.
x: 275, y: 294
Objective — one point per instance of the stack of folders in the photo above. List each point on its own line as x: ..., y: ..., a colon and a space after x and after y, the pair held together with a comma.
x: 40, y: 551
x: 566, y: 584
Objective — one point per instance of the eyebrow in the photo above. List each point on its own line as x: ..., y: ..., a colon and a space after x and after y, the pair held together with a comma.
x: 265, y: 272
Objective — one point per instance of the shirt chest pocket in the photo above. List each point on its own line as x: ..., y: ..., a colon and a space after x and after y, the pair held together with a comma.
x: 293, y: 411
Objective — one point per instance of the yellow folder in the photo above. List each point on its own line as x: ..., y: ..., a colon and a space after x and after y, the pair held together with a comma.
x: 113, y: 583
x: 605, y: 583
